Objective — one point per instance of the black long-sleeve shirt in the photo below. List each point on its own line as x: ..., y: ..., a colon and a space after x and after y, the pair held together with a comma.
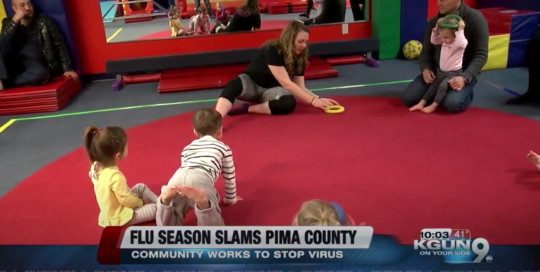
x: 333, y: 11
x: 476, y: 53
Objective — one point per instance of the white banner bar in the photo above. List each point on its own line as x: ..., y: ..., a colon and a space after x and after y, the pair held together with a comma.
x: 247, y: 237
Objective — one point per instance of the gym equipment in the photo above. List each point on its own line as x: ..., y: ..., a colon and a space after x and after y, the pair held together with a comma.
x: 345, y: 60
x: 386, y: 25
x: 412, y: 49
x: 334, y: 109
x: 444, y: 23
x: 413, y: 20
x: 37, y: 99
x: 518, y: 26
x: 202, y: 78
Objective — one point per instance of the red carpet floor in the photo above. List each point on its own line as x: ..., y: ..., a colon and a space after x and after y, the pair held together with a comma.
x: 397, y: 171
x: 266, y: 24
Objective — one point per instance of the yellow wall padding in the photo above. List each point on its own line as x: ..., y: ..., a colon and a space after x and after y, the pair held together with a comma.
x: 498, y: 52
x: 3, y: 13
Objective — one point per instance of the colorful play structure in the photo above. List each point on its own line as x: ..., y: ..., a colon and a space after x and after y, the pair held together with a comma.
x: 511, y: 25
x: 144, y: 7
x: 131, y: 11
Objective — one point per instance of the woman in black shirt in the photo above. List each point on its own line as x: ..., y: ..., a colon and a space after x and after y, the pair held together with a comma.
x: 274, y: 78
x: 246, y: 18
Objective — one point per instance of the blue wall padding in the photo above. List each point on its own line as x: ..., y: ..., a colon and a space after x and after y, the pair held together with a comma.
x: 54, y: 9
x: 516, y: 53
x: 511, y: 4
x: 413, y: 20
x: 524, y: 26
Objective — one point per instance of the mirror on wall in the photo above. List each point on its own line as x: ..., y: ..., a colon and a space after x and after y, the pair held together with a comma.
x: 136, y: 20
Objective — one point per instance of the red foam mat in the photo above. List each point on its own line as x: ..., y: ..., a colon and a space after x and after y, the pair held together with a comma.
x: 135, y: 79
x: 345, y: 60
x: 46, y: 98
x: 216, y: 77
x: 286, y: 7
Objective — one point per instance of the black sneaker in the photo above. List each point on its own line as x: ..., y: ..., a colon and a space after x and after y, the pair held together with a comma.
x: 527, y: 98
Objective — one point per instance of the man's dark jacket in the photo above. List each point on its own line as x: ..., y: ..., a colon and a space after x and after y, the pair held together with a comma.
x: 54, y: 48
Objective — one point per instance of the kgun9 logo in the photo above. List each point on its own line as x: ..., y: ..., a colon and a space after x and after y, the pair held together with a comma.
x: 478, y: 246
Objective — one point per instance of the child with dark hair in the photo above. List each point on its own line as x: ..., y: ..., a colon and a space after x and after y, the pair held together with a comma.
x: 192, y: 186
x: 119, y: 205
x: 200, y: 21
x: 206, y: 3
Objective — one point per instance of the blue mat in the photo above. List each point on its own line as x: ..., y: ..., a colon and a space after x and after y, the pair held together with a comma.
x: 105, y: 6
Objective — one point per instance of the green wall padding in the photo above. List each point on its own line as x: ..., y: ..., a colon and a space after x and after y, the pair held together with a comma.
x: 385, y: 24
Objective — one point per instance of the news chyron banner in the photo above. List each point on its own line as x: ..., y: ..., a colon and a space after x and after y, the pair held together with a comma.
x: 233, y: 245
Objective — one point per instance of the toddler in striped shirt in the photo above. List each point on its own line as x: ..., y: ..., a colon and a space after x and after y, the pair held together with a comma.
x: 192, y: 186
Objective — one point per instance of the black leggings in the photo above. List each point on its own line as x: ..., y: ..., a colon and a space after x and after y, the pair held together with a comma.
x: 309, y: 6
x: 532, y: 54
x: 358, y: 13
x: 284, y: 105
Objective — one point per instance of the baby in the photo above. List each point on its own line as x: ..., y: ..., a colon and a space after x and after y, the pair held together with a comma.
x: 200, y: 21
x: 453, y: 44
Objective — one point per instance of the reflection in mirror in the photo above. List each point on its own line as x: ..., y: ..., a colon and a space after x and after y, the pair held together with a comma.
x: 132, y: 20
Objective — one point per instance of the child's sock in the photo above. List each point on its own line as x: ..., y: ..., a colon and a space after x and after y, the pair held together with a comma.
x: 244, y: 109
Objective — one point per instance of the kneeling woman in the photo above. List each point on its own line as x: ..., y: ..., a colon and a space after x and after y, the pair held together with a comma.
x: 267, y: 80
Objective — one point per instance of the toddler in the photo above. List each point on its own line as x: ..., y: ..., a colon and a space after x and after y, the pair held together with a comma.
x: 192, y: 186
x: 222, y: 15
x: 200, y: 21
x: 206, y: 3
x: 453, y: 44
x: 175, y: 23
x: 118, y: 204
x: 320, y: 213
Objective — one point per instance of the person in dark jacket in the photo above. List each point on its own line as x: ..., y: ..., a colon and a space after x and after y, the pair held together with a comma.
x: 32, y: 49
x: 532, y: 56
x: 460, y: 96
x: 333, y: 11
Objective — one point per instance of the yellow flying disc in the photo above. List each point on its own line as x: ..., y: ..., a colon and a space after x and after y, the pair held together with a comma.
x: 334, y: 109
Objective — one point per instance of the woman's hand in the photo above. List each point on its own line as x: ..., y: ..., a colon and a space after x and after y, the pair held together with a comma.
x: 322, y: 103
x: 334, y: 102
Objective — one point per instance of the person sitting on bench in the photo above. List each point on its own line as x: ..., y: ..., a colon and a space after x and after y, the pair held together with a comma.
x: 32, y: 49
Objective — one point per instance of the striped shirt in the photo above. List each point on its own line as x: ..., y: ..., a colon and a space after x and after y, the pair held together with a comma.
x: 213, y: 157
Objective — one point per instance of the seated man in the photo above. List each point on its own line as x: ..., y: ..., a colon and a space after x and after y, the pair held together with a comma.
x: 460, y: 96
x: 32, y: 50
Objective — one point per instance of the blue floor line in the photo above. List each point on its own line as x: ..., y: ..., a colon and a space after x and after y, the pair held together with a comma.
x: 502, y: 88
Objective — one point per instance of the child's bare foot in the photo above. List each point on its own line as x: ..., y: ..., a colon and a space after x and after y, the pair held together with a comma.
x: 167, y: 193
x: 533, y: 158
x: 417, y: 107
x: 429, y: 109
x: 200, y: 197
